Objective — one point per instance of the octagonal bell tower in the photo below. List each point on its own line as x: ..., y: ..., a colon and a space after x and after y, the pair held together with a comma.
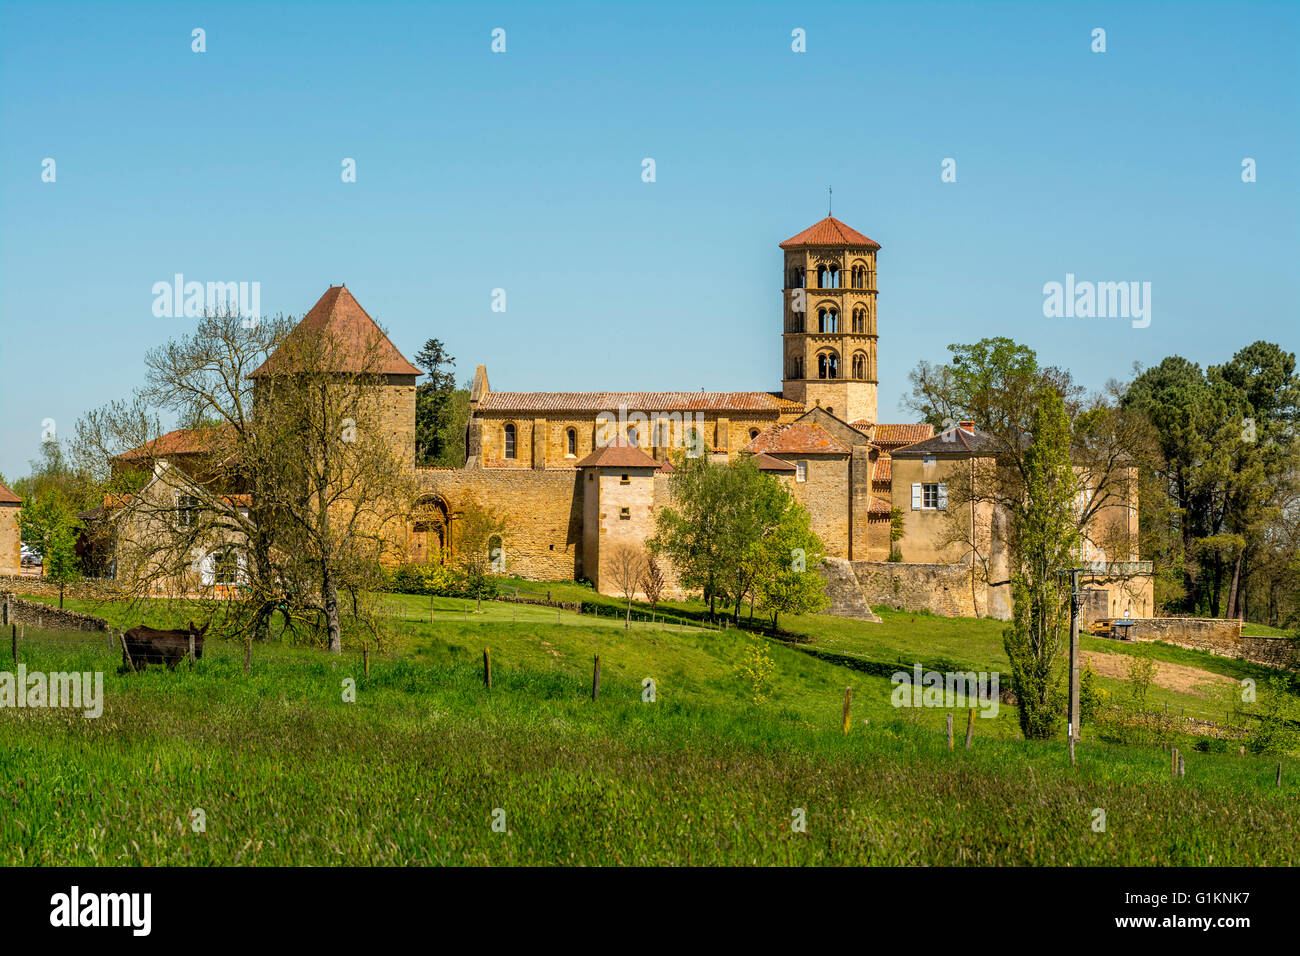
x: 829, y: 314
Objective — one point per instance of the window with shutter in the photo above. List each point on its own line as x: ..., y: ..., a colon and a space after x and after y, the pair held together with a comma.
x: 916, y: 496
x: 943, y: 497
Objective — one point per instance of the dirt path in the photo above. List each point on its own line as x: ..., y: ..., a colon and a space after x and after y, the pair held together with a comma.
x: 1177, y: 677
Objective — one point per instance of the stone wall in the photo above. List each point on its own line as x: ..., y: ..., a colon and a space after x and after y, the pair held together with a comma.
x: 939, y: 588
x: 1198, y: 633
x: 92, y: 589
x: 10, y: 545
x: 825, y: 496
x: 543, y: 539
x: 844, y: 592
x: 16, y: 610
x: 1216, y: 636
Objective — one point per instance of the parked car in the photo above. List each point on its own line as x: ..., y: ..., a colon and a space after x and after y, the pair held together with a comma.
x: 29, y: 558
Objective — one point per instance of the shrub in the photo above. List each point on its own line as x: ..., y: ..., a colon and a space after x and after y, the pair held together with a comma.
x: 429, y: 579
x: 1092, y: 698
x: 756, y: 669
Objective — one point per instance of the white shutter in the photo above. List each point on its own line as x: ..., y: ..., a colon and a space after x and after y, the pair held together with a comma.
x: 943, y: 497
x: 916, y: 496
x: 207, y: 569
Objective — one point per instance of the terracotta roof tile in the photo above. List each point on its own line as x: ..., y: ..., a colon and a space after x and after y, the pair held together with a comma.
x: 797, y: 437
x: 955, y: 441
x: 339, y: 314
x: 894, y: 436
x: 7, y: 497
x: 618, y: 454
x: 181, y: 441
x: 766, y: 462
x: 829, y: 232
x: 884, y: 471
x: 635, y: 402
x: 879, y: 506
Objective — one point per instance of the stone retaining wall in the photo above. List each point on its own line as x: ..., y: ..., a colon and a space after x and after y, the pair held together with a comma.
x: 939, y: 588
x: 88, y: 588
x: 1216, y: 636
x: 16, y: 610
x: 844, y: 591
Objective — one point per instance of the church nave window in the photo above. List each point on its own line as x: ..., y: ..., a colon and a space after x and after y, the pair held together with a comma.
x: 510, y: 441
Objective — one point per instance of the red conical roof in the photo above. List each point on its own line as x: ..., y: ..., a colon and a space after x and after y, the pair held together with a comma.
x: 341, y: 316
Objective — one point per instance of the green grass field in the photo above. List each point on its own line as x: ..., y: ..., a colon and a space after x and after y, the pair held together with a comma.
x: 287, y: 772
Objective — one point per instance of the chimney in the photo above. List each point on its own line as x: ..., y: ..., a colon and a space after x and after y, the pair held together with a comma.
x: 967, y: 426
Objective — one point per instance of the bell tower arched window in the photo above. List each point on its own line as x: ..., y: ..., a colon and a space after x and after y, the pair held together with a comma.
x: 828, y: 320
x: 828, y: 365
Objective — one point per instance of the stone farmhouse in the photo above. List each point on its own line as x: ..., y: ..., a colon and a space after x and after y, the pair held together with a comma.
x: 576, y: 474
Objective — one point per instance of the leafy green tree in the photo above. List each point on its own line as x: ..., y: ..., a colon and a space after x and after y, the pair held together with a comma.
x: 791, y: 584
x: 441, y: 409
x: 731, y: 531
x: 695, y: 533
x: 61, y: 565
x: 1044, y: 538
x: 49, y: 526
x: 1228, y: 469
x: 994, y: 382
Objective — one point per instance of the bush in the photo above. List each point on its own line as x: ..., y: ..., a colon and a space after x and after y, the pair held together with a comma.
x: 1212, y: 745
x: 1093, y: 699
x: 429, y: 579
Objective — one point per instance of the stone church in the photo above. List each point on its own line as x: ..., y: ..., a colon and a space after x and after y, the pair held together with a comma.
x: 577, y: 474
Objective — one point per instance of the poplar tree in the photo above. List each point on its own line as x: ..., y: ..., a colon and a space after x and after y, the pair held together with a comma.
x: 1045, y: 537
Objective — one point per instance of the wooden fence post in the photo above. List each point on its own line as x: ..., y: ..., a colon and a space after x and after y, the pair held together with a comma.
x: 970, y: 727
x: 14, y: 635
x: 191, y: 655
x: 1182, y: 768
x: 950, y: 730
x: 365, y: 659
x: 1279, y: 773
x: 848, y: 703
x: 487, y: 668
x: 595, y: 679
x: 126, y: 651
x: 1173, y: 768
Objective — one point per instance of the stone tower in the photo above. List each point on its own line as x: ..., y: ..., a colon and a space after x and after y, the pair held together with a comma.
x: 829, y: 348
x: 360, y: 345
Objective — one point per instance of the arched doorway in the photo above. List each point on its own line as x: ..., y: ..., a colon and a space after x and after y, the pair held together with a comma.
x: 430, y: 532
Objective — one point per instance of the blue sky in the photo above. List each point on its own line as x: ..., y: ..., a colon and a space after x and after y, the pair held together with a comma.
x: 522, y: 171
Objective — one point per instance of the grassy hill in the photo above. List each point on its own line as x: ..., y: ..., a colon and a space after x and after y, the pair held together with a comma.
x: 287, y: 772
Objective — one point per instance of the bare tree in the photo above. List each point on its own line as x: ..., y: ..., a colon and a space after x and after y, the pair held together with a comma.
x: 290, y: 470
x: 628, y: 566
x: 653, y: 581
